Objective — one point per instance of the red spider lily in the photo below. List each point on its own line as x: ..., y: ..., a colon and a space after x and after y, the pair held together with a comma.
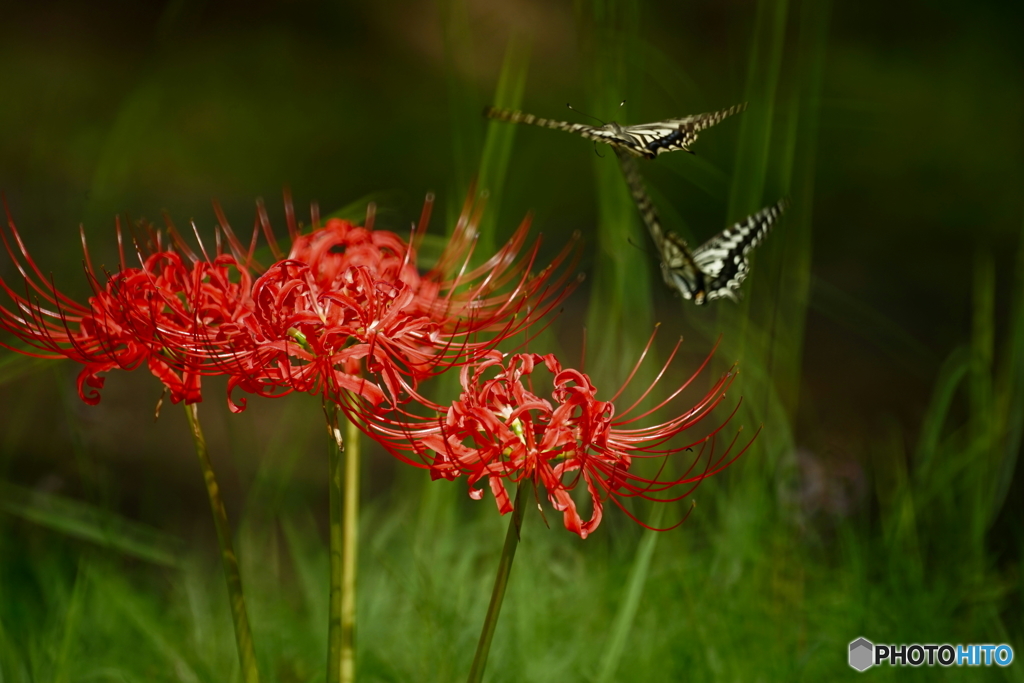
x: 149, y: 314
x: 348, y: 302
x: 499, y: 429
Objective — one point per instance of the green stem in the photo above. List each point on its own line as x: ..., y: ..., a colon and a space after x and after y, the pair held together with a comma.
x: 508, y: 553
x: 344, y: 534
x: 350, y: 554
x: 243, y: 634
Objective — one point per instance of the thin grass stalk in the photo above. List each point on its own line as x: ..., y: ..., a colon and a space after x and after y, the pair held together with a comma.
x: 497, y: 150
x: 70, y: 626
x: 508, y: 553
x: 11, y: 659
x: 983, y: 466
x: 623, y: 624
x: 620, y: 312
x: 791, y: 247
x: 741, y: 336
x: 466, y: 123
x: 1010, y: 386
x: 243, y: 634
x: 133, y: 609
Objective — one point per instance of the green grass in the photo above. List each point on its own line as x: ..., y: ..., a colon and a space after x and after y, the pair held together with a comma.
x: 92, y: 614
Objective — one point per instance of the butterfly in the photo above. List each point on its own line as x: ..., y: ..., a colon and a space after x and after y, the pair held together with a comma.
x: 715, y: 269
x: 647, y: 140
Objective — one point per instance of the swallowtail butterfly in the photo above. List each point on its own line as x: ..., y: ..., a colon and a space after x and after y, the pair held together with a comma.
x: 646, y: 140
x: 715, y: 269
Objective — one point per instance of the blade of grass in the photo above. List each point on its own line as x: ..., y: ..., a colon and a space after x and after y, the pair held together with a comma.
x: 63, y: 667
x: 129, y: 603
x: 87, y: 522
x: 984, y: 468
x: 752, y: 153
x: 1010, y: 386
x: 12, y: 664
x: 684, y: 92
x: 620, y: 312
x: 281, y: 453
x: 790, y: 255
x: 15, y: 366
x: 623, y: 625
x: 953, y: 371
x: 750, y: 171
x: 355, y: 211
x: 896, y: 500
x: 463, y: 104
x: 500, y: 136
x: 765, y: 331
x: 311, y: 565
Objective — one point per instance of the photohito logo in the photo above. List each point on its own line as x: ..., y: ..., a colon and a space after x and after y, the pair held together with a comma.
x: 864, y: 654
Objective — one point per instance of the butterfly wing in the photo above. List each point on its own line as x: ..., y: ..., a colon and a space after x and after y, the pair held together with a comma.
x: 647, y: 140
x: 677, y: 267
x: 652, y: 139
x: 511, y: 116
x: 723, y: 258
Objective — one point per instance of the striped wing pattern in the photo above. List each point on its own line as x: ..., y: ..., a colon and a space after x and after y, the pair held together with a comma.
x: 717, y: 268
x: 646, y: 140
x: 678, y: 269
x: 723, y: 258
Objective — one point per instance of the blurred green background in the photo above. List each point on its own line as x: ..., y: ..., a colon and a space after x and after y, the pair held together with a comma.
x: 880, y: 338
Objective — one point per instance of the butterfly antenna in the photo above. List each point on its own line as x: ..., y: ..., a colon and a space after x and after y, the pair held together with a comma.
x: 585, y: 114
x: 637, y: 246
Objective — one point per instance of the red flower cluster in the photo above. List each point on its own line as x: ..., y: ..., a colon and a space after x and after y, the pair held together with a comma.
x: 150, y: 314
x: 345, y: 310
x: 501, y: 430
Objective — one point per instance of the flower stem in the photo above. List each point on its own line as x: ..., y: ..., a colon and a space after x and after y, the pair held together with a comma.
x: 243, y: 634
x: 508, y: 553
x: 349, y: 554
x: 344, y: 524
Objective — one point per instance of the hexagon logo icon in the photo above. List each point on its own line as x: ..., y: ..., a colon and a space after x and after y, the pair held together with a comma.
x: 862, y: 654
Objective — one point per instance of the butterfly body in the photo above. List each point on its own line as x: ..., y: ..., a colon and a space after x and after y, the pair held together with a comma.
x: 647, y: 140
